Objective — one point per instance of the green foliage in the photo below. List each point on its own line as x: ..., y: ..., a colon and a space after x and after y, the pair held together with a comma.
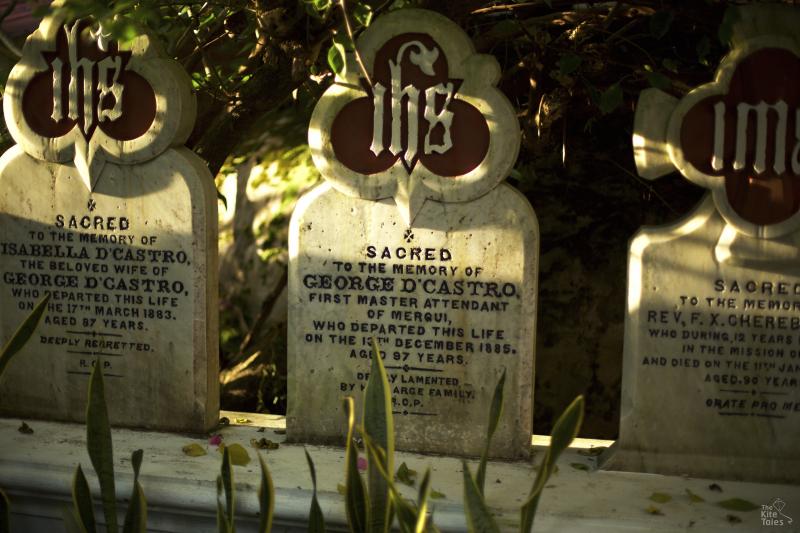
x: 479, y: 518
x: 495, y: 411
x: 564, y: 431
x: 82, y: 501
x: 337, y: 53
x: 356, y: 499
x: 363, y: 514
x: 136, y: 515
x: 423, y: 497
x: 405, y: 475
x: 237, y: 454
x: 610, y: 99
x: 379, y: 426
x: 738, y: 504
x: 266, y: 498
x: 99, y: 446
x: 316, y: 522
x: 23, y: 333
x: 225, y: 495
x: 18, y: 340
x: 81, y: 517
x: 410, y: 518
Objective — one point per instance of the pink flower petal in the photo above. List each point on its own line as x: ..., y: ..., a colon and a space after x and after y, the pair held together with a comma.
x: 362, y: 463
x: 215, y: 440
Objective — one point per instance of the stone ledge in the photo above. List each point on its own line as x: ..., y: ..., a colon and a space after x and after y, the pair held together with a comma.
x: 36, y: 471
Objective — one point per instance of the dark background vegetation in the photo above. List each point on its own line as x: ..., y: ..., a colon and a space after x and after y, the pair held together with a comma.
x: 573, y: 72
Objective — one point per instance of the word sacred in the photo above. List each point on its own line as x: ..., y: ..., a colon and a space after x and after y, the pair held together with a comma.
x: 415, y: 253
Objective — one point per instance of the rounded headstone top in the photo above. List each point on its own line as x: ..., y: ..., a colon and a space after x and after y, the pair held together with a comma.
x: 738, y: 135
x: 76, y: 95
x: 425, y: 121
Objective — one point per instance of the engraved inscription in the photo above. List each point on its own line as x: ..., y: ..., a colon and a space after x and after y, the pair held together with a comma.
x: 114, y: 285
x: 427, y: 311
x: 741, y: 339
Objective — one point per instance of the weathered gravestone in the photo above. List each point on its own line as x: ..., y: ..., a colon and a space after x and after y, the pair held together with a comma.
x: 101, y: 207
x: 711, y: 376
x: 414, y: 240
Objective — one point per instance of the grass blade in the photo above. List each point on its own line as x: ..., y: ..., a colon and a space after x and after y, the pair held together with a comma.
x: 379, y: 426
x: 99, y: 445
x: 316, y: 522
x: 479, y: 519
x: 136, y: 516
x: 226, y: 477
x: 356, y: 500
x: 82, y: 501
x: 406, y: 514
x: 494, y: 418
x: 422, y: 502
x: 5, y: 513
x: 23, y: 333
x: 223, y: 525
x: 564, y: 431
x: 72, y: 523
x: 266, y: 498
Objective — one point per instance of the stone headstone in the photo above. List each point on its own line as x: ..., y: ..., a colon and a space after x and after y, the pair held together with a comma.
x: 414, y: 240
x: 711, y: 375
x: 102, y: 207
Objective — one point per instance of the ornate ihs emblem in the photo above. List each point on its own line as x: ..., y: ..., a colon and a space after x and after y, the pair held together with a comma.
x: 426, y: 122
x: 738, y: 136
x: 78, y: 96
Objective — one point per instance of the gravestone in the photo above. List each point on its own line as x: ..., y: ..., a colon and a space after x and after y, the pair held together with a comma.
x: 102, y: 208
x: 711, y: 374
x: 414, y: 240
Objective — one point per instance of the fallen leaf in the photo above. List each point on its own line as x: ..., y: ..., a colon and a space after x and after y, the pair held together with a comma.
x: 260, y: 430
x: 25, y: 429
x: 694, y: 497
x: 406, y: 475
x: 194, y: 450
x: 341, y: 489
x: 733, y: 519
x: 280, y: 431
x: 264, y: 444
x: 436, y: 495
x: 660, y: 497
x: 592, y: 452
x: 714, y: 487
x: 497, y: 481
x: 242, y: 420
x: 738, y: 504
x: 579, y: 466
x: 653, y: 510
x: 239, y: 455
